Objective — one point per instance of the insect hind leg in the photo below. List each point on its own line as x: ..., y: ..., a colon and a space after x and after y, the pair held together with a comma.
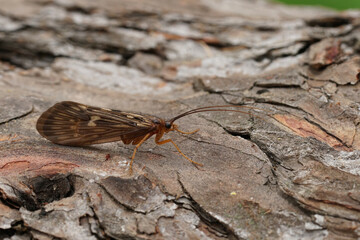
x: 136, y: 148
x: 170, y: 140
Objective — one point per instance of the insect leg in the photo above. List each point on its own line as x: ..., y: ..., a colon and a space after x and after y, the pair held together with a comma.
x: 136, y: 148
x: 169, y: 140
x: 178, y: 130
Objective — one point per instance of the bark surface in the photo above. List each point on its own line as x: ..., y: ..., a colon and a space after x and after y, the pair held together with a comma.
x: 291, y: 171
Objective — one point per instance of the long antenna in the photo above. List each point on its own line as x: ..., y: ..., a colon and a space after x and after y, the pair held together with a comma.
x: 215, y: 109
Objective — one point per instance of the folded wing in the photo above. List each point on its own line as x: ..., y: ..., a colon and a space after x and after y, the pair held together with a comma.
x: 75, y: 124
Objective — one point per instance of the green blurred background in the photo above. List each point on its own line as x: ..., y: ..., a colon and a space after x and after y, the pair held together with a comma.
x: 335, y: 4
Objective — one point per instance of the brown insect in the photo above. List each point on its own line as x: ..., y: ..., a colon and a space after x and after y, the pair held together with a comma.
x: 76, y: 124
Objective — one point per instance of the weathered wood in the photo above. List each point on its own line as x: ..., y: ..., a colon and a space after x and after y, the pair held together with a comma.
x: 292, y: 172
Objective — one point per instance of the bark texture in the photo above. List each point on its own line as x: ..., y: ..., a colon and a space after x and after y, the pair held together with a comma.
x: 292, y: 172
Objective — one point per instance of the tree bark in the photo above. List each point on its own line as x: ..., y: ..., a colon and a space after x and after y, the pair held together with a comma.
x: 287, y: 171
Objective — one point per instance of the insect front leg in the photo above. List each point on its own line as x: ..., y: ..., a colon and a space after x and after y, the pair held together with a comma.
x: 178, y: 130
x: 158, y: 142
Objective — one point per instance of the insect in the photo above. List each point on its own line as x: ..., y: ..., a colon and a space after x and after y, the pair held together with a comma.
x: 76, y: 124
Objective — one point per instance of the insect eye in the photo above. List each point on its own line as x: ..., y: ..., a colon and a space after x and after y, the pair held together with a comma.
x: 168, y: 125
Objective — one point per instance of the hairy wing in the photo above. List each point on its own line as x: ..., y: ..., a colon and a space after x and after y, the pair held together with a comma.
x: 75, y: 124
